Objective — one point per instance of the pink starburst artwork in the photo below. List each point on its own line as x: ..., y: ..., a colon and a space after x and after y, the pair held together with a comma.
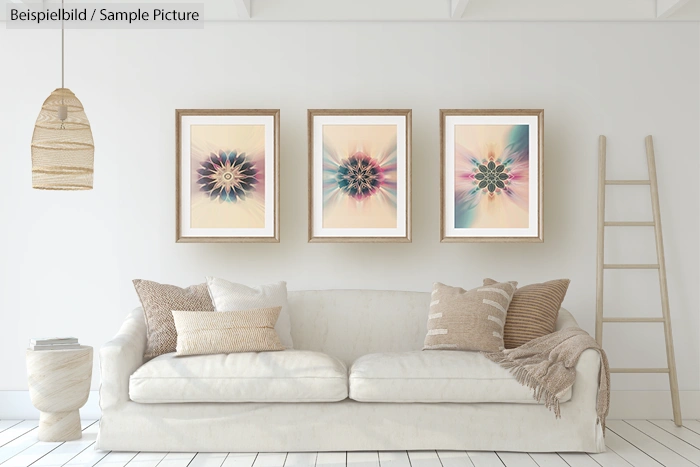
x: 359, y: 175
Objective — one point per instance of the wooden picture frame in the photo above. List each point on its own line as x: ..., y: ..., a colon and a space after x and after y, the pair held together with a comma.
x: 227, y: 175
x: 359, y: 175
x: 491, y: 175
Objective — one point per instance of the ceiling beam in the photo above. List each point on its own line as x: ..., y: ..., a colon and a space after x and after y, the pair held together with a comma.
x: 665, y: 8
x: 457, y: 8
x: 242, y: 8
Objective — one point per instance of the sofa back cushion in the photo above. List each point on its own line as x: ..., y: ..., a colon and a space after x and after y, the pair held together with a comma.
x: 350, y: 323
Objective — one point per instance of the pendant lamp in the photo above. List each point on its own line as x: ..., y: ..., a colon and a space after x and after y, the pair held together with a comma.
x: 62, y: 146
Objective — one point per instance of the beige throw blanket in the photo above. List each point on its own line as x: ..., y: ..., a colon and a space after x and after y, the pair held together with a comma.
x: 548, y: 366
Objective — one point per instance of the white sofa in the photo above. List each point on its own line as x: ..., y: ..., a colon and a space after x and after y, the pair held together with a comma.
x: 358, y: 343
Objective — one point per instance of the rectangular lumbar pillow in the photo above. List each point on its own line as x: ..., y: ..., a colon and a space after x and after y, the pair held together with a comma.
x: 202, y: 333
x: 229, y: 296
x: 468, y: 320
x: 533, y: 311
x: 158, y: 301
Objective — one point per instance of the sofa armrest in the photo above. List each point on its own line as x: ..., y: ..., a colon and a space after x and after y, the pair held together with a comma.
x: 565, y: 320
x: 585, y: 387
x: 120, y: 357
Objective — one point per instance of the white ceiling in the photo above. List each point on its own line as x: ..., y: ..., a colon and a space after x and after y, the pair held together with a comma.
x: 471, y: 10
x: 435, y: 10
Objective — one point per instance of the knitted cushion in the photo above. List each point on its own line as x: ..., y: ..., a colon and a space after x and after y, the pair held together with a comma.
x: 159, y: 301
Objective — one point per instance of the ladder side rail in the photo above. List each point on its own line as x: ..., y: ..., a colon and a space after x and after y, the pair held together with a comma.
x: 661, y: 260
x: 600, y: 279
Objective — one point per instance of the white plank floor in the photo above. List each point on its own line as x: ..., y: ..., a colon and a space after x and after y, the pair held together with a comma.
x: 637, y: 443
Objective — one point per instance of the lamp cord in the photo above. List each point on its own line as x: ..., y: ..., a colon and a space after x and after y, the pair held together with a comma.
x: 62, y: 47
x: 63, y: 122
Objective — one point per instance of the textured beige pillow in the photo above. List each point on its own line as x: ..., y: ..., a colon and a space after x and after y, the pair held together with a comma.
x: 533, y: 311
x: 468, y: 320
x: 200, y: 333
x: 158, y: 301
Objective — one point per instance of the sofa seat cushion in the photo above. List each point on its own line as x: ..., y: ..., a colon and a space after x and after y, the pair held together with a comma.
x: 436, y: 376
x: 285, y: 376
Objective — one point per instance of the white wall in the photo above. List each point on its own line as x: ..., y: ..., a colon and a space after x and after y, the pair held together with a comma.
x: 68, y: 258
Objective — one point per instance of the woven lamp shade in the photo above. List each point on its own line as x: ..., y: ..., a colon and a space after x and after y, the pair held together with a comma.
x: 62, y: 150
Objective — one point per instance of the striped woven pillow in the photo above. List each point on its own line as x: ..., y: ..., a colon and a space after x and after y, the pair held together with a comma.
x: 200, y: 333
x: 533, y: 311
x: 468, y: 320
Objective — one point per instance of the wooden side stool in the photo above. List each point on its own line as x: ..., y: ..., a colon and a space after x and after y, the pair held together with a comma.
x: 59, y: 385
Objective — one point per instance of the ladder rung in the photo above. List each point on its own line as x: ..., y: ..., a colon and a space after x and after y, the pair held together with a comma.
x: 627, y: 182
x: 638, y: 370
x: 629, y: 224
x: 633, y: 320
x: 630, y: 266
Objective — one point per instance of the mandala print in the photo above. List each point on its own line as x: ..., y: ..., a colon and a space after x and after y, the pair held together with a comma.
x: 359, y: 176
x: 363, y: 175
x: 228, y: 177
x: 493, y: 176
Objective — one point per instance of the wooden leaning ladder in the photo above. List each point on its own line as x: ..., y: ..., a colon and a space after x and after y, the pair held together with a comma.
x: 660, y: 266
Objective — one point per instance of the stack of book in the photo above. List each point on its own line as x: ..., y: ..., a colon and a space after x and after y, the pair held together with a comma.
x: 54, y: 343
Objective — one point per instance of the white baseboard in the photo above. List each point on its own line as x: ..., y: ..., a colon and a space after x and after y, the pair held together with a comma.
x: 652, y: 405
x: 16, y: 405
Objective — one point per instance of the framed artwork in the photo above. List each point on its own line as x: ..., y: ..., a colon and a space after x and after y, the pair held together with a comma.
x: 491, y: 175
x: 359, y: 175
x: 227, y: 165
